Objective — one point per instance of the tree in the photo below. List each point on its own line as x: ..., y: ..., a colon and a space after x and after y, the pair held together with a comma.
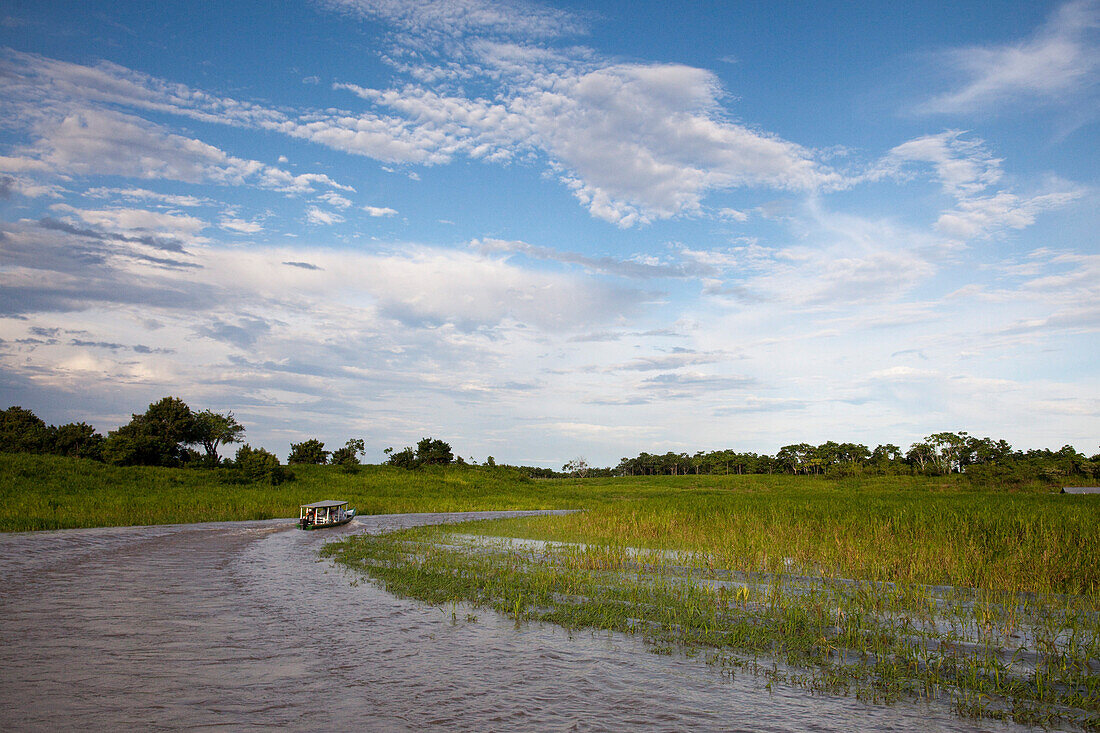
x: 577, y: 467
x: 260, y: 466
x: 949, y: 451
x: 433, y: 452
x: 77, y: 440
x: 920, y: 455
x: 796, y: 457
x: 348, y: 456
x: 212, y: 430
x: 428, y: 452
x: 21, y: 431
x: 309, y: 451
x: 405, y: 458
x: 157, y: 438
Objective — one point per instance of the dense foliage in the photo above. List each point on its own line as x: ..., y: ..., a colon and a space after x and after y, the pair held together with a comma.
x: 260, y: 466
x: 165, y: 433
x: 21, y: 431
x: 428, y: 452
x: 940, y: 454
x: 308, y: 451
x: 161, y: 436
x: 347, y: 457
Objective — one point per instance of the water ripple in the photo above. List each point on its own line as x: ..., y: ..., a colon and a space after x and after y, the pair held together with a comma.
x: 237, y: 625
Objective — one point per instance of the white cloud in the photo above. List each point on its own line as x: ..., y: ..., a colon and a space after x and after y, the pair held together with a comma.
x: 582, y: 115
x: 315, y: 215
x: 99, y: 142
x: 27, y: 187
x: 139, y: 221
x: 842, y: 261
x: 1058, y: 63
x: 733, y: 214
x: 634, y: 142
x: 625, y: 165
x: 378, y: 211
x: 639, y: 143
x: 967, y: 171
x: 240, y: 226
x: 142, y: 194
x: 981, y: 217
x: 963, y: 166
x: 334, y: 199
x: 446, y: 18
x: 422, y: 287
x: 605, y: 265
x: 904, y: 374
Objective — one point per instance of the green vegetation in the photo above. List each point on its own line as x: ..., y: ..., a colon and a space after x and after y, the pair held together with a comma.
x: 982, y: 460
x: 308, y: 451
x: 899, y: 529
x: 883, y: 587
x: 347, y: 457
x: 428, y: 452
x: 52, y: 492
x: 165, y: 433
x: 21, y: 431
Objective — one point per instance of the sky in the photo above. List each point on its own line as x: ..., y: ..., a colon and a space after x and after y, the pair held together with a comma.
x: 542, y: 231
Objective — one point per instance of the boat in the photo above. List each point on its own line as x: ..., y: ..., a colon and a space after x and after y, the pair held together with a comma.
x: 322, y: 514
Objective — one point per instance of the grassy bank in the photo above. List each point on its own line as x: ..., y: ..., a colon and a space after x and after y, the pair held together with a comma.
x: 51, y: 492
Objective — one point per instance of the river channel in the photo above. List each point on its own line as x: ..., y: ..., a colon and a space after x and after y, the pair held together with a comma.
x: 239, y: 625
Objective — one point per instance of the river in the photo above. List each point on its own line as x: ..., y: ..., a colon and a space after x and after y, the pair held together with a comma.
x: 238, y: 625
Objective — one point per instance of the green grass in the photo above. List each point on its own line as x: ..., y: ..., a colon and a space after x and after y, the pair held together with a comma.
x: 900, y: 530
x: 50, y: 492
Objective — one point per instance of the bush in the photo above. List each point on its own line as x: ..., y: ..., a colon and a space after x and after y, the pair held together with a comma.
x: 428, y: 453
x: 347, y: 458
x: 21, y: 431
x: 260, y: 466
x: 310, y: 451
x: 77, y: 440
x: 157, y: 438
x: 405, y: 458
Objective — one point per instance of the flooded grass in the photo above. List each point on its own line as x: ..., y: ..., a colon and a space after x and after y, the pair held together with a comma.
x: 1010, y: 648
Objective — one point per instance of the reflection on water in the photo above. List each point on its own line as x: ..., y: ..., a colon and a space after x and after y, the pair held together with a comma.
x: 239, y: 624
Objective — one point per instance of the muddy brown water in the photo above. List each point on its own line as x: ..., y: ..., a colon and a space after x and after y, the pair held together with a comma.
x: 240, y: 625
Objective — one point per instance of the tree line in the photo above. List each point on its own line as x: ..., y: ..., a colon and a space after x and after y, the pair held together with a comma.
x: 938, y: 454
x: 169, y: 433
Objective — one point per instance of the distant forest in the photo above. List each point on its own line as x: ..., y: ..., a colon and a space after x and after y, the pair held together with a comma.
x: 170, y: 433
x: 940, y: 454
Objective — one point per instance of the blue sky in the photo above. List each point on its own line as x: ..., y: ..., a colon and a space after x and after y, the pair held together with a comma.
x: 542, y: 231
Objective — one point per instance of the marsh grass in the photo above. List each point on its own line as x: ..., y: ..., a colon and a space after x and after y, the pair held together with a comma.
x: 52, y: 492
x: 1027, y: 657
x: 901, y: 533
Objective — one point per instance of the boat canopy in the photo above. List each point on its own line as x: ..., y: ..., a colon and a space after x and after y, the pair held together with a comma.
x: 327, y: 503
